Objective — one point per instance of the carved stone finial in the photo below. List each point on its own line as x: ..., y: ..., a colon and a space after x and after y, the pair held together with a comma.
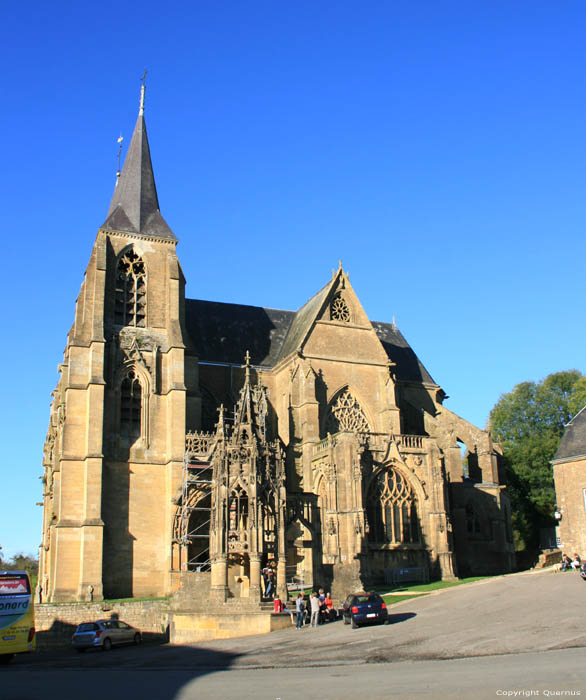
x: 247, y: 366
x: 220, y: 423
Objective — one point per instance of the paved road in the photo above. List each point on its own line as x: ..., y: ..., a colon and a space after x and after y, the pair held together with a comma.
x: 512, y: 633
x: 543, y: 674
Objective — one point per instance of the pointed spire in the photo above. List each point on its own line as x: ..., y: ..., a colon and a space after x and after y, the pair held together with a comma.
x: 251, y: 408
x: 244, y: 413
x: 135, y: 205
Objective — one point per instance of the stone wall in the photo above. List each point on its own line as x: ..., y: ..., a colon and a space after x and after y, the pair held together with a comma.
x: 570, y: 483
x: 192, y: 628
x: 193, y: 593
x: 55, y: 623
x: 549, y: 558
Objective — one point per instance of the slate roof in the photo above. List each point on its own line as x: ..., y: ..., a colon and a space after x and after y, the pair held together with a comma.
x: 224, y: 332
x: 409, y: 367
x: 135, y: 205
x: 302, y: 321
x: 573, y: 442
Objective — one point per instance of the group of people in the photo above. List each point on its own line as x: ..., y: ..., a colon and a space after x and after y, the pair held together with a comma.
x: 316, y: 611
x: 575, y: 563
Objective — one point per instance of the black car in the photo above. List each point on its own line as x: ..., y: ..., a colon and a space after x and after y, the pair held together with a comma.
x: 364, y: 608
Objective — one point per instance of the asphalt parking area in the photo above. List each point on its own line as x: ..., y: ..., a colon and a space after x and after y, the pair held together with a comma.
x: 505, y: 615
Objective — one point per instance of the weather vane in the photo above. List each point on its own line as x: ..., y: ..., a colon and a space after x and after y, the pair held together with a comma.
x: 119, y: 141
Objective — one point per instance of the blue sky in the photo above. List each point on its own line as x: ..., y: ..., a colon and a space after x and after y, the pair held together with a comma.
x: 437, y: 148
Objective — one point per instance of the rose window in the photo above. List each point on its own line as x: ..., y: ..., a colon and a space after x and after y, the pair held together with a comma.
x: 339, y: 310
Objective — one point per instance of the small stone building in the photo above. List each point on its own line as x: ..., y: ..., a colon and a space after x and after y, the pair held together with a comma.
x: 569, y: 472
x: 214, y: 439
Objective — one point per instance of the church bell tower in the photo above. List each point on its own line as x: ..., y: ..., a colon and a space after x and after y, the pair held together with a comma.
x: 116, y: 437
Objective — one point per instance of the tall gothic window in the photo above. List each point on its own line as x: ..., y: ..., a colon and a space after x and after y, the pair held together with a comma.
x: 130, y: 405
x: 391, y: 509
x: 473, y: 526
x: 345, y: 414
x: 339, y: 310
x: 130, y: 305
x: 238, y: 520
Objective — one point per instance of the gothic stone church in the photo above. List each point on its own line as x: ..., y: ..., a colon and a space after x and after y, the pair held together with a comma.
x: 197, y: 437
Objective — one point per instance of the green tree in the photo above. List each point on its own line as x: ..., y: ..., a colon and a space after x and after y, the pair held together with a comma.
x: 20, y: 562
x: 529, y: 422
x: 578, y: 398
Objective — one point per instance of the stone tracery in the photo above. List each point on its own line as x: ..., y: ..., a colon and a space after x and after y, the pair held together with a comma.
x: 339, y: 310
x: 346, y: 414
x: 392, y: 509
x: 130, y: 300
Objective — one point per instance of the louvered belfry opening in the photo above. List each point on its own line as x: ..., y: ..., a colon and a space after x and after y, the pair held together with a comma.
x: 130, y: 304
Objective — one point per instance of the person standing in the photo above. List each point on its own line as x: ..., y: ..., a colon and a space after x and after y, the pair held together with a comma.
x: 322, y: 606
x: 270, y: 581
x: 314, y: 609
x: 300, y: 609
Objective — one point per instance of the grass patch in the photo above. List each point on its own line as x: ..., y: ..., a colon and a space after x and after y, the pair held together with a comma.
x: 391, y: 600
x: 421, y: 588
x: 107, y: 601
x: 132, y: 600
x: 428, y: 587
x: 439, y: 585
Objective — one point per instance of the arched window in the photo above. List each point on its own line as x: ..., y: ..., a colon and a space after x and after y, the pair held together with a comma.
x: 473, y: 526
x: 130, y: 305
x: 197, y: 533
x: 345, y: 414
x: 130, y: 405
x: 391, y: 509
x: 238, y: 520
x: 339, y: 310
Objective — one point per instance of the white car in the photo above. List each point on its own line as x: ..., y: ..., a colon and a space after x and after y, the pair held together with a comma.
x: 104, y: 634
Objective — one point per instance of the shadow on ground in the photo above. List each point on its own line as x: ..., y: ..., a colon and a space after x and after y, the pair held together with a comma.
x: 401, y: 617
x: 54, y: 675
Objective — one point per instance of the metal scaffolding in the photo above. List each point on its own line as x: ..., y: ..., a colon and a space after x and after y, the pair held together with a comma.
x: 196, y: 501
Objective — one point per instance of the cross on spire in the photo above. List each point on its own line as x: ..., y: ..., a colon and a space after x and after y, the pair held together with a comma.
x: 142, y: 91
